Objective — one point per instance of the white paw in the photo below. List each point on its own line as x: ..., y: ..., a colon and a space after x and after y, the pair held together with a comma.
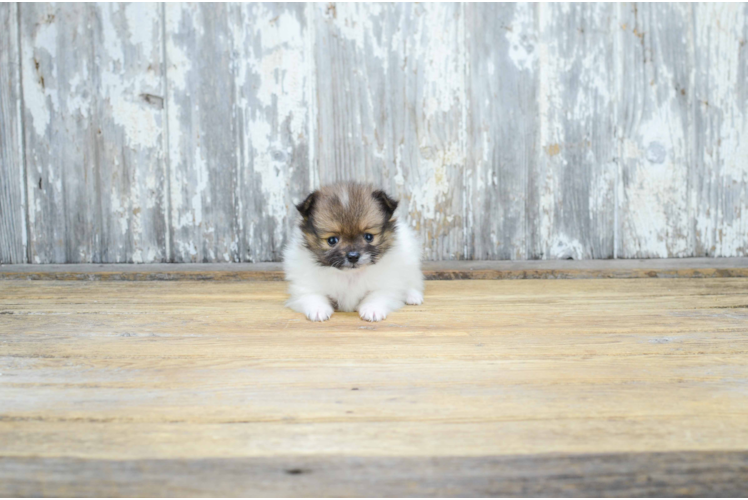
x: 372, y: 312
x: 319, y: 313
x: 414, y: 298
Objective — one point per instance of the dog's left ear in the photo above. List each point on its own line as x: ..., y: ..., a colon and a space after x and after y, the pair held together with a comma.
x: 306, y: 206
x: 388, y: 204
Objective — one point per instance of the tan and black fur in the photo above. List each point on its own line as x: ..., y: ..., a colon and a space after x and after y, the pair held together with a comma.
x: 348, y: 211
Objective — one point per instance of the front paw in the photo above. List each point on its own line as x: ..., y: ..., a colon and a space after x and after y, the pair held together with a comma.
x: 413, y: 298
x: 319, y: 313
x: 372, y: 312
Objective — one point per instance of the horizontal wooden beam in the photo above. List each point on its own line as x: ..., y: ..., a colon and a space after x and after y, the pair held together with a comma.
x: 692, y: 474
x: 442, y: 270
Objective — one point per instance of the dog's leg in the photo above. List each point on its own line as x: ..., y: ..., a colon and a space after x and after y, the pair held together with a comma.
x: 316, y: 307
x: 413, y: 297
x: 377, y: 305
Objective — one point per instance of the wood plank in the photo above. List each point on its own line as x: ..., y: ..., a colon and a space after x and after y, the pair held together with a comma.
x: 13, y: 231
x: 391, y: 103
x: 238, y: 124
x: 439, y: 270
x: 719, y: 179
x: 92, y: 82
x: 502, y: 127
x: 571, y: 192
x: 59, y: 103
x: 657, y: 130
x: 691, y: 474
x: 565, y: 385
x: 274, y: 78
x: 129, y: 139
x: 201, y: 99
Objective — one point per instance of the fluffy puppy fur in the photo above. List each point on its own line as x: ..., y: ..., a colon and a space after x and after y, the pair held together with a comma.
x: 350, y: 253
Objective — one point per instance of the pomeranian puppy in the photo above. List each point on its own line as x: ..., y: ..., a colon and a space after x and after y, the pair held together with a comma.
x: 350, y: 253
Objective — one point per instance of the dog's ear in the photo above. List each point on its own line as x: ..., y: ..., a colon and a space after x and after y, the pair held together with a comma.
x: 388, y: 204
x: 306, y: 206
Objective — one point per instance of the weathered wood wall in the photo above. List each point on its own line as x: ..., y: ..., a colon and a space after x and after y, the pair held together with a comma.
x: 184, y: 132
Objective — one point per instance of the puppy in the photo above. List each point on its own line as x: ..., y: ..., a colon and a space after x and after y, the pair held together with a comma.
x: 350, y: 253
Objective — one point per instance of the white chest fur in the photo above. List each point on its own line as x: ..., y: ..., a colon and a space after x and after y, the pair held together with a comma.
x: 374, y: 291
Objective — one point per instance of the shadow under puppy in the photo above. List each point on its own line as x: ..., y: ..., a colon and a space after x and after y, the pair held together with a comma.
x: 350, y: 252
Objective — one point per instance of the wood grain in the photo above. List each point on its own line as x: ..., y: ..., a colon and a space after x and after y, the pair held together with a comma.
x: 657, y: 128
x: 92, y: 83
x: 391, y: 98
x: 238, y: 128
x: 274, y: 87
x: 571, y: 192
x: 185, y: 133
x: 130, y: 121
x: 485, y: 376
x: 13, y: 231
x: 201, y: 97
x: 503, y: 127
x: 682, y: 474
x: 59, y: 89
x: 719, y: 177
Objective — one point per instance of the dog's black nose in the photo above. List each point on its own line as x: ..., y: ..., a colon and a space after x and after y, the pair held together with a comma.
x: 352, y: 257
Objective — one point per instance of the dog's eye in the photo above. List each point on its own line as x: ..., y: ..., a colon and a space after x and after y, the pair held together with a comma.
x: 368, y: 236
x: 332, y: 240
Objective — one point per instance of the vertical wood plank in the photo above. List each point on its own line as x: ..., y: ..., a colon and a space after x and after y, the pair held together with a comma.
x: 202, y: 153
x: 59, y: 87
x: 719, y: 183
x: 129, y: 118
x: 273, y: 72
x: 502, y: 126
x: 238, y: 128
x: 391, y: 110
x: 91, y: 80
x: 571, y: 196
x: 656, y: 130
x: 353, y: 76
x: 12, y: 187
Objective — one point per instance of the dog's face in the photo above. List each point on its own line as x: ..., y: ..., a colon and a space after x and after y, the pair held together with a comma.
x: 348, y: 225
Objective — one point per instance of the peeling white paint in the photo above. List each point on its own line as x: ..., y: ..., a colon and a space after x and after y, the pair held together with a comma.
x: 280, y: 69
x: 721, y: 213
x: 403, y: 119
x: 548, y: 98
x: 522, y: 50
x: 40, y: 99
x: 356, y: 22
x: 443, y: 68
x: 310, y: 72
x: 272, y: 76
x: 180, y: 63
x: 112, y: 41
x: 564, y: 247
x: 271, y: 172
x: 141, y: 20
x: 78, y: 99
x: 124, y: 91
x: 194, y: 217
x: 651, y: 219
x: 656, y: 149
x: 576, y: 140
x: 436, y: 183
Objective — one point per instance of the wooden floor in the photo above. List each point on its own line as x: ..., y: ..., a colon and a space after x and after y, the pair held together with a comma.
x: 523, y: 387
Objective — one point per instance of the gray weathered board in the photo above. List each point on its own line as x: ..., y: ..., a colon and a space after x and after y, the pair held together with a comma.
x: 185, y: 132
